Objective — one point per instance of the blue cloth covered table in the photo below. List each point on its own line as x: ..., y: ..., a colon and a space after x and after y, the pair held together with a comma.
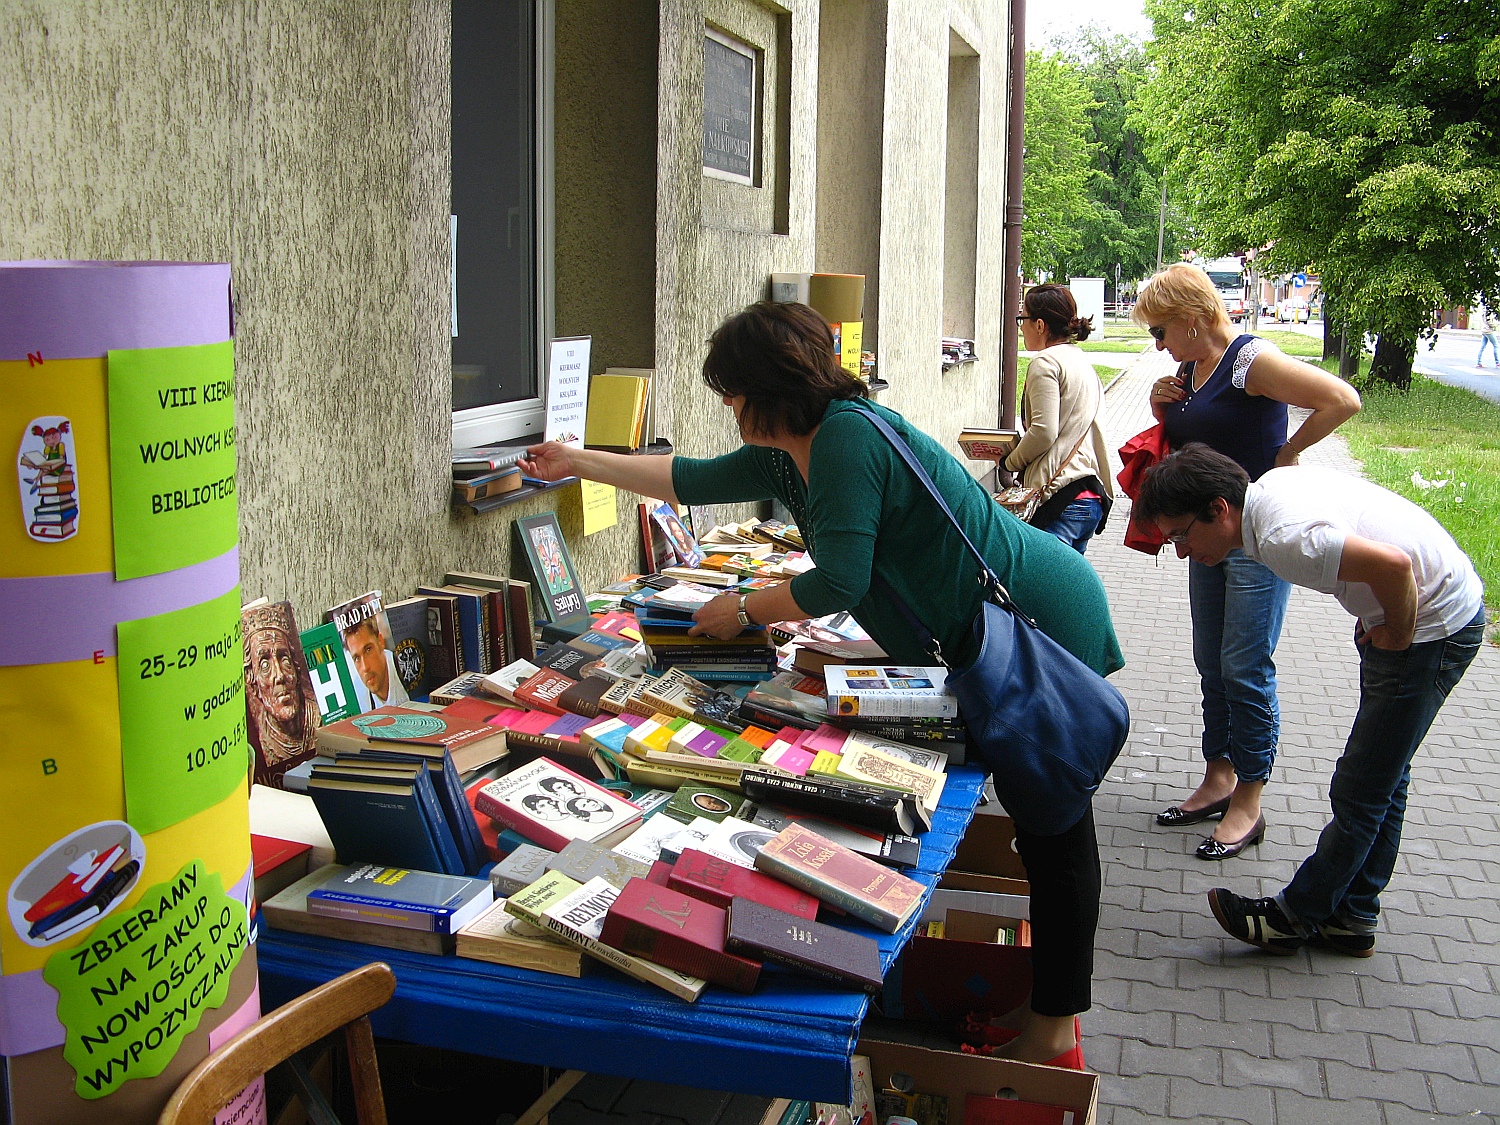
x: 791, y: 1038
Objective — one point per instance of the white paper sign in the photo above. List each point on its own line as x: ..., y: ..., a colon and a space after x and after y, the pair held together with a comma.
x: 568, y: 389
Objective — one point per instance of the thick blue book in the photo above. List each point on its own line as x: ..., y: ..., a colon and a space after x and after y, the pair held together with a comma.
x: 378, y: 822
x: 395, y: 896
x: 448, y: 791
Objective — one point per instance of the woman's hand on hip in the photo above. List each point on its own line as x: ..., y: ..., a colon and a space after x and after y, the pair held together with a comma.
x: 1286, y: 456
x: 552, y: 460
x: 719, y: 618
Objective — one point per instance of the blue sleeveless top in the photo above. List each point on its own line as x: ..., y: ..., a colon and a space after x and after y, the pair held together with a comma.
x: 1248, y: 428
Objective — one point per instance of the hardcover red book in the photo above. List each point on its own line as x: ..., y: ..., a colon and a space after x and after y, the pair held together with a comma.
x: 660, y: 873
x: 678, y: 931
x: 541, y: 690
x: 269, y: 853
x: 717, y: 882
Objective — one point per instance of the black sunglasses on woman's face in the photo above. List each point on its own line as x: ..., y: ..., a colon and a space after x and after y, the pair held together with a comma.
x: 1158, y: 332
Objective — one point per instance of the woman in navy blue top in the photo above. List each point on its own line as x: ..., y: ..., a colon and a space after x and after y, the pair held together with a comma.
x: 1232, y: 394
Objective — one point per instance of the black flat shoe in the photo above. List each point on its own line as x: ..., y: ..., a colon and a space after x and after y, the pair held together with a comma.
x: 1175, y: 816
x: 1218, y: 849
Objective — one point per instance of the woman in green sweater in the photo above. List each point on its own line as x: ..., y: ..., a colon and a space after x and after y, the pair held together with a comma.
x: 864, y: 515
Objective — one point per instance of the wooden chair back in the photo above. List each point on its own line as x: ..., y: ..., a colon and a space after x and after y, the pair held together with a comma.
x: 343, y: 1002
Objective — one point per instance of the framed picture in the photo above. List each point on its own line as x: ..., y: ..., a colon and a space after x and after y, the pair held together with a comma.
x: 539, y: 541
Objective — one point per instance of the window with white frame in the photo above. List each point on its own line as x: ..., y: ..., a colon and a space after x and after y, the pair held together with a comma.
x: 500, y: 254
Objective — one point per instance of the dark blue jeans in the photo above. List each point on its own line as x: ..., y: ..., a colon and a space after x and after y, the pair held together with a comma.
x: 1238, y: 607
x: 1399, y: 696
x: 1077, y: 523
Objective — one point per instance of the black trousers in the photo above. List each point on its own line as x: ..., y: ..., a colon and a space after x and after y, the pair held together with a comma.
x: 1064, y: 875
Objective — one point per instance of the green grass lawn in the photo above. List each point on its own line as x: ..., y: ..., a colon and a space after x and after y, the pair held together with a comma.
x: 1107, y: 375
x: 1433, y: 433
x: 1293, y: 343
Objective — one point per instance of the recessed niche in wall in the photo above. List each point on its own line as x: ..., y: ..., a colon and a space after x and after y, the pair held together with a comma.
x: 961, y: 190
x: 746, y: 97
x: 851, y: 131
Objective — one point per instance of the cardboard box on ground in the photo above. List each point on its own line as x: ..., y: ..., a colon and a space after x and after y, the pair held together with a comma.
x: 989, y: 1086
x: 984, y: 891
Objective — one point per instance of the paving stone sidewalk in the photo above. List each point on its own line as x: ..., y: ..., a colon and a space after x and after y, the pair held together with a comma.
x: 1189, y: 1025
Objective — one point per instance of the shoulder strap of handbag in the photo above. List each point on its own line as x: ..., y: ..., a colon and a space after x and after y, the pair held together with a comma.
x: 987, y: 577
x: 1063, y: 464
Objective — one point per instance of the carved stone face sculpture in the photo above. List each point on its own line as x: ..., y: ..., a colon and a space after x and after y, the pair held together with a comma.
x: 273, y: 672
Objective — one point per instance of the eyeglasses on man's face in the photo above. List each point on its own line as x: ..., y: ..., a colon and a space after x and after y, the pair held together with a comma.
x: 1178, y: 538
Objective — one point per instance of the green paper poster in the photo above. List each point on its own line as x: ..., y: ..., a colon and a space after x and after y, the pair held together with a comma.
x: 182, y: 711
x: 129, y: 995
x: 172, y: 456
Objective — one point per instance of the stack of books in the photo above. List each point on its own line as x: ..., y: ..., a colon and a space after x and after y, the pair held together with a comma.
x: 56, y: 513
x: 664, y: 621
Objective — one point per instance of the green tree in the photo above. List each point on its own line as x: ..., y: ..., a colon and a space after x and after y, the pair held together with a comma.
x: 1360, y: 138
x: 1059, y: 161
x: 1125, y: 187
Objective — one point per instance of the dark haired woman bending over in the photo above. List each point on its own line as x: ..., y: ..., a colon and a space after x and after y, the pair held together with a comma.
x: 1063, y: 452
x: 864, y: 515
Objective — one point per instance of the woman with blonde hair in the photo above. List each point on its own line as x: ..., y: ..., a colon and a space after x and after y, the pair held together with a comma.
x: 1231, y: 392
x: 1063, y: 453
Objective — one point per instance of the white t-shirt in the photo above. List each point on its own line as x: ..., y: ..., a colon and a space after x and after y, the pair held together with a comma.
x: 1295, y: 522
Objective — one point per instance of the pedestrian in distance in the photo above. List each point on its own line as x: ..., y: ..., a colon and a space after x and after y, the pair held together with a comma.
x: 1063, y: 452
x: 1419, y: 606
x: 1231, y: 391
x: 1489, y: 332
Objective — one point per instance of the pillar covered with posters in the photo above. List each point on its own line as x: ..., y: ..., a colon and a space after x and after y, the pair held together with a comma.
x: 125, y: 845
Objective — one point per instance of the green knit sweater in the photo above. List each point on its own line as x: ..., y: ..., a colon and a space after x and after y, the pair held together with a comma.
x: 863, y: 512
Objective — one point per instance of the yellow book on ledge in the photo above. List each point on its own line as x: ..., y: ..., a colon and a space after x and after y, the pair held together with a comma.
x: 617, y: 405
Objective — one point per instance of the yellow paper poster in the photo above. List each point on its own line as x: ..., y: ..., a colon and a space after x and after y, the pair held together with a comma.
x: 129, y: 996
x: 599, y: 509
x: 172, y: 456
x: 182, y: 711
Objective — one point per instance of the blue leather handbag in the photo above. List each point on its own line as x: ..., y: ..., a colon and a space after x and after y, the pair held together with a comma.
x: 1046, y: 725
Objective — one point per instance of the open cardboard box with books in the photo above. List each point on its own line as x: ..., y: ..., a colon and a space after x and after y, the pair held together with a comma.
x: 983, y: 892
x: 986, y: 1091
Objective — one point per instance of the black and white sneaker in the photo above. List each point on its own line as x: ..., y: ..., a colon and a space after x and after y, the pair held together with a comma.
x: 1256, y: 921
x: 1351, y: 943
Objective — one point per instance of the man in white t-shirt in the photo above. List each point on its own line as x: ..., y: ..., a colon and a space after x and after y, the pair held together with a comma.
x: 1420, y: 620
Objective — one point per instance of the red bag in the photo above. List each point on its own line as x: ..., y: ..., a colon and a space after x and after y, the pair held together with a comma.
x: 1137, y: 455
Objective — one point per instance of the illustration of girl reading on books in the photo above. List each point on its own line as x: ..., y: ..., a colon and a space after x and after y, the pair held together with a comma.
x: 49, y: 486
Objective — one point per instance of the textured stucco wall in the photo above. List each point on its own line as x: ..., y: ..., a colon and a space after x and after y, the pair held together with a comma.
x: 851, y: 110
x: 708, y: 263
x: 307, y: 145
x: 913, y: 220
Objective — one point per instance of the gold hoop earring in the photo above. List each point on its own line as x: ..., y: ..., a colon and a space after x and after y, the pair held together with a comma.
x: 1192, y: 333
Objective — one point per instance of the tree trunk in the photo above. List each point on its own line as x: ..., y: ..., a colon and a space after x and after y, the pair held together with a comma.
x: 1351, y: 347
x: 1393, y: 356
x: 1333, y: 331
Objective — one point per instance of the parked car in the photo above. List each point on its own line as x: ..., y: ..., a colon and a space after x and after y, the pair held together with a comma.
x: 1293, y: 310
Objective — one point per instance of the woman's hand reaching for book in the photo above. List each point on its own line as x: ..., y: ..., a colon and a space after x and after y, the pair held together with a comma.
x: 549, y: 461
x: 719, y: 618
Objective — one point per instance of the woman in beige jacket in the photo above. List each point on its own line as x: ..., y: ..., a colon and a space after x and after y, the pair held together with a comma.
x: 1063, y: 452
